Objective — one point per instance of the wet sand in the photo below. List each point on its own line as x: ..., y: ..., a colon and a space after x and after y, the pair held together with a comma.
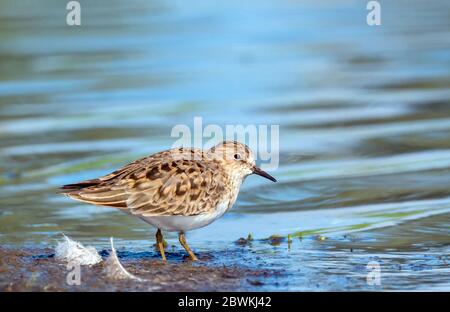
x: 37, y: 269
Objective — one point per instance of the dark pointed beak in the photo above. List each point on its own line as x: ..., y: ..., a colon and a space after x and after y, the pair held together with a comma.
x: 264, y: 174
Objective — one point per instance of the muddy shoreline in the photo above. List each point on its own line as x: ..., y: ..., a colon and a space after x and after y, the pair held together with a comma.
x: 37, y: 269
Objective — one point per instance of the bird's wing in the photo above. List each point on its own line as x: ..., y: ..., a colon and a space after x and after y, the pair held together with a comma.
x: 158, y: 185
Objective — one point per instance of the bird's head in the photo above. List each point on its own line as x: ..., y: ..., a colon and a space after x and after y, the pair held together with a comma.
x: 238, y: 159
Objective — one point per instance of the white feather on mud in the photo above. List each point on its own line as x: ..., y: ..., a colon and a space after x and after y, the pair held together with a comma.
x: 73, y: 251
x: 114, y: 269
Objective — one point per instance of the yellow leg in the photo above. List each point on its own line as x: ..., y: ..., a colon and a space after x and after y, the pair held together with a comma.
x: 185, y: 245
x: 160, y: 244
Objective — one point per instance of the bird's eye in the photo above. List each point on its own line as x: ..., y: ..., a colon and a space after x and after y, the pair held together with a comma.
x: 237, y: 156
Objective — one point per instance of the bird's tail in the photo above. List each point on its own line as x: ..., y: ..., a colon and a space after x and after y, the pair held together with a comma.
x: 68, y: 188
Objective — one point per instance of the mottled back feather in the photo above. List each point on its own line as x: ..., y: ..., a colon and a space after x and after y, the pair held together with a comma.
x: 174, y: 182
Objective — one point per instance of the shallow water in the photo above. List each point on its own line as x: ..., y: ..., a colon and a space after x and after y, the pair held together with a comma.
x: 364, y: 115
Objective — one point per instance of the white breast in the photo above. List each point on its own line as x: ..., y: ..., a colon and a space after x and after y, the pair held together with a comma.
x: 187, y: 223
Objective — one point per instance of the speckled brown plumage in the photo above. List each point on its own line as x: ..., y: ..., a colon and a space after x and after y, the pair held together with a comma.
x: 180, y: 181
x: 173, y: 182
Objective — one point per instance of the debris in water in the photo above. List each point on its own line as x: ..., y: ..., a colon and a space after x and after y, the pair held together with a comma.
x: 242, y: 241
x: 275, y: 240
x: 72, y: 251
x: 245, y: 241
x: 255, y: 282
x: 321, y: 237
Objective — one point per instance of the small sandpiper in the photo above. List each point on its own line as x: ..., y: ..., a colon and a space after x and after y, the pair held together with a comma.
x: 175, y: 190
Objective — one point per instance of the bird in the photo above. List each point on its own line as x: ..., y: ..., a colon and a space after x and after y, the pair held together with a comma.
x: 176, y: 190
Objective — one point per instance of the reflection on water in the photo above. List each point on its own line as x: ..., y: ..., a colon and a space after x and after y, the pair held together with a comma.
x: 364, y: 115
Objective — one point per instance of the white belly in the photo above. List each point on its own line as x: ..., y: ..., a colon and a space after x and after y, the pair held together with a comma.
x: 186, y: 223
